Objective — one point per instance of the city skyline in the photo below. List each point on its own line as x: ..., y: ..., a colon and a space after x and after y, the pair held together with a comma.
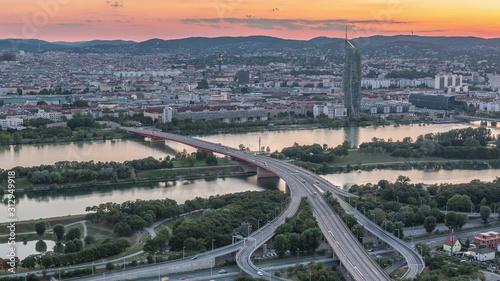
x: 63, y: 20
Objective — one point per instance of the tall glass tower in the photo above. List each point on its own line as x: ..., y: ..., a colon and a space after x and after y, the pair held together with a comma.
x: 351, y: 83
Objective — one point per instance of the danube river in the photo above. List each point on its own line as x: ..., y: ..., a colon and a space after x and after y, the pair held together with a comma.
x: 64, y: 202
x: 122, y: 150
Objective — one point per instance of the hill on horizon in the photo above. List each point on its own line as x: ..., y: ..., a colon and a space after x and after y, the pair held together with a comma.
x: 241, y: 44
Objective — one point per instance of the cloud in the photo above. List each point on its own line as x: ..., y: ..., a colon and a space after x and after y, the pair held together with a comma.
x: 431, y: 31
x: 288, y: 24
x: 115, y: 4
x: 71, y: 24
x: 92, y: 20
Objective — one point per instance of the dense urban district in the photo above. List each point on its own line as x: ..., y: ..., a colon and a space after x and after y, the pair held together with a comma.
x: 69, y: 92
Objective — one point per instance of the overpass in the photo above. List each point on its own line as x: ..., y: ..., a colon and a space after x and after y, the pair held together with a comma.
x: 303, y: 183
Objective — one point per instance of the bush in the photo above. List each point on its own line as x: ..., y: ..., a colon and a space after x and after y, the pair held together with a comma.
x: 110, y: 266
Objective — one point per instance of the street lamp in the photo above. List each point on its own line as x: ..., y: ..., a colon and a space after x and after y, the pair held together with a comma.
x: 183, y: 249
x: 211, y: 263
x: 258, y: 223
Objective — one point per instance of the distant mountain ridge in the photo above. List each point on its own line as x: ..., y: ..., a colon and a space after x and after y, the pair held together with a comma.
x: 248, y: 43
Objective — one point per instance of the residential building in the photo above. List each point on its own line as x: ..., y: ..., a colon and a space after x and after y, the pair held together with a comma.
x: 482, y: 254
x: 330, y: 110
x: 452, y: 245
x: 12, y: 123
x: 449, y: 80
x: 243, y: 77
x: 489, y: 239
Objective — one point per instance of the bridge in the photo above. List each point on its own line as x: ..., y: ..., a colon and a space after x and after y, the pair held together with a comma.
x: 303, y: 183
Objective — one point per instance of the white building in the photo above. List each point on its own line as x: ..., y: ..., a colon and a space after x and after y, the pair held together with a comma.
x: 168, y: 113
x: 54, y: 116
x: 482, y: 254
x: 448, y: 80
x: 330, y: 110
x: 12, y: 123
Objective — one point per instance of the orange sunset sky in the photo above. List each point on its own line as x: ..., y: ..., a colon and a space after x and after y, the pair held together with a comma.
x: 139, y: 20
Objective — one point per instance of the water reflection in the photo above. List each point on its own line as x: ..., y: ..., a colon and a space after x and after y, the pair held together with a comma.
x: 128, y: 149
x: 51, y: 203
x: 30, y: 248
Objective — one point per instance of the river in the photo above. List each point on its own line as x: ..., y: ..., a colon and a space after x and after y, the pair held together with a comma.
x: 123, y: 150
x: 67, y: 202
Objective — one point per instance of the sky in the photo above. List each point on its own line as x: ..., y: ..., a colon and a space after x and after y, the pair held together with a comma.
x: 140, y: 20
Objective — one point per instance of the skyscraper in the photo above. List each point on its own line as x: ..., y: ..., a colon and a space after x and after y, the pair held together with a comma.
x: 351, y: 83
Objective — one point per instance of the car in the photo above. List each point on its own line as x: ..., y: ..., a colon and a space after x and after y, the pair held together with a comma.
x: 303, y: 181
x: 195, y: 257
x: 259, y: 273
x: 370, y: 250
x: 317, y: 182
x: 222, y: 271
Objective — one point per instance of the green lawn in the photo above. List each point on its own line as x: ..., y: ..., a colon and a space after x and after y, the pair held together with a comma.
x: 99, y: 232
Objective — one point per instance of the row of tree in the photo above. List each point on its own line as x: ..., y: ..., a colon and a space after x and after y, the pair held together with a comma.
x: 468, y: 143
x: 398, y: 204
x: 299, y: 234
x: 50, y: 259
x: 316, y: 153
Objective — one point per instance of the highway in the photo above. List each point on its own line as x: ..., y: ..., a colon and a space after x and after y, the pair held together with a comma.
x: 302, y: 183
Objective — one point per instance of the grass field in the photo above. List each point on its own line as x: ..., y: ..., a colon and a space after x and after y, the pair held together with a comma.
x: 29, y: 226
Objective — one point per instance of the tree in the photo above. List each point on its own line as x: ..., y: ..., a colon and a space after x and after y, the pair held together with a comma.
x: 80, y: 103
x: 281, y: 244
x: 42, y: 102
x: 29, y: 262
x: 74, y: 233
x: 459, y: 203
x: 454, y: 220
x: 430, y: 224
x: 123, y: 229
x: 46, y: 261
x: 110, y: 266
x: 203, y: 84
x: 485, y: 212
x: 58, y: 230
x: 69, y: 247
x: 40, y: 228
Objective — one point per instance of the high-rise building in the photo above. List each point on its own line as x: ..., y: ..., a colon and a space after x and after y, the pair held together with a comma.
x: 243, y: 77
x: 448, y: 80
x: 352, y: 79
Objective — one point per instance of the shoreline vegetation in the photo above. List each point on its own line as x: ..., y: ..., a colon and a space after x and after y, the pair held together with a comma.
x: 84, y: 128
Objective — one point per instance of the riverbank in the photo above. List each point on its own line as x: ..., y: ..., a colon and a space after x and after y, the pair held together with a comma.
x: 27, y: 226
